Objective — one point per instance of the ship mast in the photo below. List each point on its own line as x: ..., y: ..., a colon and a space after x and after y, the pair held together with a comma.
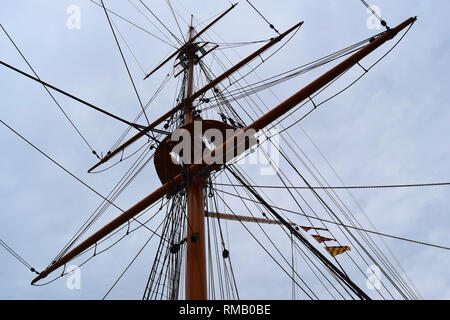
x: 195, y: 251
x: 193, y: 175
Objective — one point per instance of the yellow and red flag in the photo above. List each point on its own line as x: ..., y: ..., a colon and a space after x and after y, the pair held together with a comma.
x: 334, y: 251
x: 321, y: 239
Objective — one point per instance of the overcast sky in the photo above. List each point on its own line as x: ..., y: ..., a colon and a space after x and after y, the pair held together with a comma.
x: 390, y: 128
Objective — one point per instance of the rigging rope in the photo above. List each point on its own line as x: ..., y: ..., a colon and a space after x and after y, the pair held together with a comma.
x: 90, y: 105
x: 416, y: 185
x: 376, y: 15
x: 276, y: 248
x: 337, y: 272
x: 125, y: 62
x: 175, y: 18
x: 17, y: 256
x: 124, y: 182
x: 340, y: 224
x: 68, y: 172
x: 366, y: 71
x: 260, y: 85
x: 157, y: 92
x: 48, y: 91
x: 130, y: 264
x: 268, y: 253
x: 107, y: 248
x: 135, y: 25
x: 302, y: 253
x: 261, y: 15
x: 129, y: 48
x: 134, y: 125
x: 335, y: 217
x: 159, y: 20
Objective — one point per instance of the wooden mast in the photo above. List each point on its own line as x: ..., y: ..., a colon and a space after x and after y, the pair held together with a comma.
x: 195, y: 251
